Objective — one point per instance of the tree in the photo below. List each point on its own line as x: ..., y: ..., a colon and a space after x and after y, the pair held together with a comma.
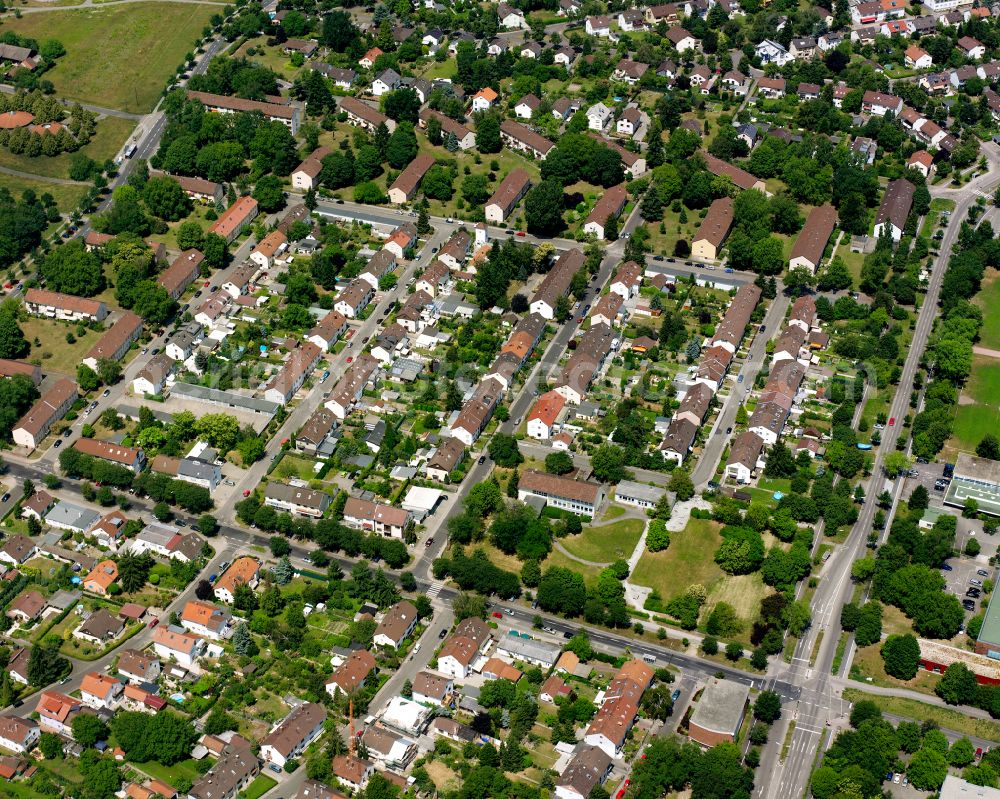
x: 543, y: 207
x: 558, y: 462
x: 402, y: 146
x: 504, y: 451
x: 72, y: 270
x: 957, y: 685
x: 767, y: 708
x: 13, y: 344
x: 927, y: 769
x: 89, y: 729
x: 51, y: 745
x: 133, y: 572
x: 901, y: 654
x: 208, y: 526
x: 279, y: 546
x: 101, y: 777
x: 466, y: 606
x: 741, y: 551
x: 488, y: 133
x: 242, y: 642
x: 45, y: 665
x: 961, y: 753
x: 608, y: 463
x: 204, y: 591
x: 989, y: 447
x: 165, y: 737
x: 165, y: 198
x: 681, y: 484
x: 436, y: 183
x: 402, y: 105
x: 269, y: 193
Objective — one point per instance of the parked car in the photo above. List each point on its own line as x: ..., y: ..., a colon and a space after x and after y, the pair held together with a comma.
x: 974, y: 581
x: 892, y: 421
x: 946, y: 567
x: 982, y: 572
x: 443, y: 634
x: 57, y: 444
x: 496, y: 614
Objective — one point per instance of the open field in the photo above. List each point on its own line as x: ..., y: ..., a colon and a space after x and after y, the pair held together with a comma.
x: 976, y: 419
x: 920, y: 711
x: 110, y: 136
x: 988, y: 299
x: 606, y: 543
x: 104, y: 45
x: 67, y: 197
x: 185, y: 769
x: 52, y: 351
x: 868, y: 664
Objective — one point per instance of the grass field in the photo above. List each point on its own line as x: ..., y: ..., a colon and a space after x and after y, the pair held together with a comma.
x: 53, y: 352
x: 974, y: 420
x: 67, y: 197
x: 184, y: 769
x: 110, y: 136
x: 920, y: 711
x: 606, y: 543
x: 868, y: 663
x: 104, y: 45
x: 988, y: 299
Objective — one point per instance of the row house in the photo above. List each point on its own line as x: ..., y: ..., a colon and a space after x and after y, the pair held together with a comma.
x: 776, y: 400
x: 362, y: 115
x: 293, y: 373
x: 113, y: 345
x: 556, y: 283
x: 131, y: 458
x: 477, y: 411
x: 465, y: 137
x: 586, y: 362
x: 66, y: 307
x: 236, y: 218
x: 351, y: 386
x: 522, y: 139
x: 289, y: 115
x: 607, y: 209
x: 181, y: 273
x: 354, y: 298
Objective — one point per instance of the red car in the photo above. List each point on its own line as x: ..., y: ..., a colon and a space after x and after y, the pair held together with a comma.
x: 246, y: 492
x: 207, y: 284
x: 154, y: 622
x: 497, y: 615
x: 350, y: 358
x: 979, y: 753
x: 892, y: 421
x: 520, y: 233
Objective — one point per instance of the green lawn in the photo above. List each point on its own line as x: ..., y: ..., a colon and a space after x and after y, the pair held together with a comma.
x: 52, y: 351
x: 67, y: 197
x: 110, y: 136
x: 687, y: 561
x: 920, y: 711
x: 259, y: 787
x: 974, y: 420
x: 606, y: 543
x: 185, y: 769
x: 104, y: 46
x: 989, y: 300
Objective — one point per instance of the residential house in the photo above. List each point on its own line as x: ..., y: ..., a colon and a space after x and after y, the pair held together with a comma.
x: 543, y: 417
x: 556, y: 283
x: 522, y: 139
x: 610, y: 726
x: 291, y: 737
x: 328, y: 330
x: 880, y: 104
x: 629, y: 122
x: 592, y: 350
x: 682, y: 41
x: 66, y: 307
x: 269, y: 247
x: 811, y: 242
x: 916, y: 57
x: 235, y: 219
x: 744, y: 456
x: 56, y: 712
x: 588, y: 769
x: 352, y: 674
x: 362, y: 115
x: 446, y: 457
x: 18, y: 735
x: 432, y: 689
x: 771, y: 88
x: 387, y: 81
x: 714, y: 230
x: 18, y: 549
x: 287, y: 114
x: 526, y: 106
x: 101, y: 578
x: 396, y: 625
x: 100, y: 691
x: 606, y: 210
x: 243, y: 571
x: 100, y: 627
x: 404, y: 188
x: 895, y: 208
x: 177, y: 645
x: 599, y: 116
x: 477, y: 411
x: 973, y: 49
x: 181, y: 273
x: 598, y: 26
x: 131, y: 458
x: 385, y: 520
x: 350, y: 387
x: 508, y: 194
x: 483, y: 100
x: 464, y: 137
x: 137, y: 667
x: 206, y: 620
x: 511, y: 18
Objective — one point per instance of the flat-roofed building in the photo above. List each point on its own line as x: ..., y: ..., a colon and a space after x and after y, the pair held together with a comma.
x: 578, y: 496
x: 719, y: 712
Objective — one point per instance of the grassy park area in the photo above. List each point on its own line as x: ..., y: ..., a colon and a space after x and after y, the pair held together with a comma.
x: 104, y: 45
x: 977, y: 407
x: 988, y: 299
x: 606, y: 543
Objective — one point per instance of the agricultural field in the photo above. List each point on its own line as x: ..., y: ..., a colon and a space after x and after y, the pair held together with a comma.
x: 103, y: 46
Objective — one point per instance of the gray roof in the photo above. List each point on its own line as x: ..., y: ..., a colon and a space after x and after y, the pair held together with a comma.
x: 957, y: 788
x: 529, y: 648
x: 629, y: 488
x: 71, y: 515
x: 230, y: 398
x: 157, y: 534
x: 197, y: 469
x: 721, y: 706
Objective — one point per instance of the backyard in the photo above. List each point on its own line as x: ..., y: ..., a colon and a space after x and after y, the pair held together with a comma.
x: 52, y: 350
x: 103, y: 46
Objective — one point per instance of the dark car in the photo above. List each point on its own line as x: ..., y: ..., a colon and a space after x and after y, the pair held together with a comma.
x: 57, y: 444
x: 482, y: 459
x: 729, y: 430
x: 567, y: 634
x: 968, y: 604
x: 973, y: 593
x: 946, y: 567
x: 443, y: 634
x: 657, y: 257
x: 67, y: 432
x: 5, y: 496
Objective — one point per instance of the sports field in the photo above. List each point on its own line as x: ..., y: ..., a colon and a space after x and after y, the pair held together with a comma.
x: 118, y: 56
